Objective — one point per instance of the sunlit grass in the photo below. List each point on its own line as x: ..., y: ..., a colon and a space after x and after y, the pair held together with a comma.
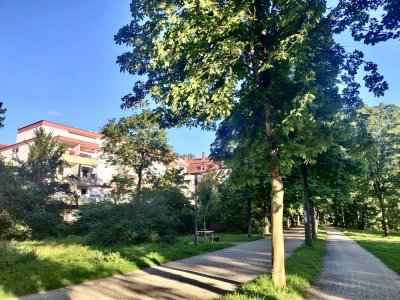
x: 33, y: 266
x: 301, y: 269
x: 387, y: 249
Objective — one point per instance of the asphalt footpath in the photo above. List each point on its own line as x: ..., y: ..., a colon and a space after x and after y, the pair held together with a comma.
x: 206, y: 276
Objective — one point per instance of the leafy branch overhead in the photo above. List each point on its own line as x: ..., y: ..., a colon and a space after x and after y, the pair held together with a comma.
x: 274, y: 65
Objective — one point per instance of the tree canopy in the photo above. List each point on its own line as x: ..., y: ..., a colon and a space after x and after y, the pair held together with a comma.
x: 136, y: 142
x: 276, y: 62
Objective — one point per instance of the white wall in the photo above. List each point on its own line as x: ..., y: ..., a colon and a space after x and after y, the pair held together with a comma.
x: 56, y: 132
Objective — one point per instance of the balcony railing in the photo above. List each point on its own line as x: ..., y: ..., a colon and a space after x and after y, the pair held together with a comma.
x: 89, y: 180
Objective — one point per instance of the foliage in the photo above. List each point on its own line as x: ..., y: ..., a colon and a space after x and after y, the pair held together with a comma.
x: 207, y: 191
x: 381, y: 153
x: 276, y: 61
x: 302, y: 267
x: 2, y: 112
x: 187, y: 156
x: 27, y: 191
x: 171, y: 178
x: 34, y: 266
x: 122, y: 188
x: 160, y: 215
x: 136, y: 142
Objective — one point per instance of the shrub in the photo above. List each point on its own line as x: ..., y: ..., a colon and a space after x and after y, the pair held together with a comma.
x: 108, y: 223
x: 10, y: 229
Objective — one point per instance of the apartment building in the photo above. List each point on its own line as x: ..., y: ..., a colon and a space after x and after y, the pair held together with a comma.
x: 83, y: 157
x: 85, y: 162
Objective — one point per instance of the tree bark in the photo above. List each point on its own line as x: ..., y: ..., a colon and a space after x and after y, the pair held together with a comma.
x: 249, y: 218
x: 306, y: 205
x: 139, y: 185
x: 313, y: 220
x: 278, y: 250
x: 385, y: 225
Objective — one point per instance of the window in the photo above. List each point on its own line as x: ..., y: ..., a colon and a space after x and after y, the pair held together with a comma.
x: 83, y: 191
x: 15, y: 150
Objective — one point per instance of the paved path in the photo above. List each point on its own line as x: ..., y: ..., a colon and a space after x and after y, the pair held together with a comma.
x: 350, y: 272
x: 206, y: 276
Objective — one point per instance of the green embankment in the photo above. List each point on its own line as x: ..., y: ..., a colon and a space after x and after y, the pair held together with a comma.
x: 301, y: 269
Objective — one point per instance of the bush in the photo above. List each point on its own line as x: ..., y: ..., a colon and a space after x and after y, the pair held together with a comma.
x: 10, y: 229
x: 107, y: 223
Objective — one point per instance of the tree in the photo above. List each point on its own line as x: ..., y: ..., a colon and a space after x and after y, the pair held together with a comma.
x: 187, y: 156
x: 122, y: 188
x: 197, y: 55
x: 382, y: 153
x: 44, y: 158
x: 207, y: 192
x: 136, y: 142
x: 2, y: 112
x: 28, y: 195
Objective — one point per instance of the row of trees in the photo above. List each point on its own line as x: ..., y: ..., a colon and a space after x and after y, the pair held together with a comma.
x: 352, y: 184
x: 269, y: 70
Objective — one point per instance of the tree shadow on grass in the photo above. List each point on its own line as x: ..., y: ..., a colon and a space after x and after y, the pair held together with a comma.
x: 23, y: 272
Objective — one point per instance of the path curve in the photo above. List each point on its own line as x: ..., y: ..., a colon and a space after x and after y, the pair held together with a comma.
x: 206, y: 276
x: 351, y: 272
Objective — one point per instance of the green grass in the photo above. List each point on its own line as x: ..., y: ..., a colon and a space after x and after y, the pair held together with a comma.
x: 385, y: 248
x: 33, y: 266
x: 301, y: 268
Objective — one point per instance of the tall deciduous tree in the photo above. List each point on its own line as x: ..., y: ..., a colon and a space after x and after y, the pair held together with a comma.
x: 382, y: 153
x: 136, y: 142
x: 197, y: 55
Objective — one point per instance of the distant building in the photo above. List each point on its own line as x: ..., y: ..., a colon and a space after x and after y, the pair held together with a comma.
x: 199, y: 166
x: 83, y: 157
x: 85, y: 160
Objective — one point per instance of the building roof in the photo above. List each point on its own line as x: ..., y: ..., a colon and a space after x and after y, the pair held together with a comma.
x: 201, y: 165
x: 16, y: 145
x: 60, y: 126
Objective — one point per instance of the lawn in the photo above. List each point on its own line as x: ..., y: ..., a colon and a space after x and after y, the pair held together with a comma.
x: 33, y: 266
x: 301, y: 268
x: 385, y: 248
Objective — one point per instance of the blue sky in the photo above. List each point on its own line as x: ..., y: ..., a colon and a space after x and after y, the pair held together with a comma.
x: 57, y: 62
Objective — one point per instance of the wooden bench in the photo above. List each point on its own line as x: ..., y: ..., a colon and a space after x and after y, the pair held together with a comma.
x: 208, y: 234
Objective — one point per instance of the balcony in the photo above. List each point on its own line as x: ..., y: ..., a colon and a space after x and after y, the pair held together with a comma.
x: 89, y: 180
x: 72, y: 157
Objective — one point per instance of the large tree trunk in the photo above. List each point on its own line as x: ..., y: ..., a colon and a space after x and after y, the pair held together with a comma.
x: 313, y: 220
x: 249, y: 218
x: 306, y: 205
x: 278, y: 246
x: 277, y: 193
x: 385, y: 225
